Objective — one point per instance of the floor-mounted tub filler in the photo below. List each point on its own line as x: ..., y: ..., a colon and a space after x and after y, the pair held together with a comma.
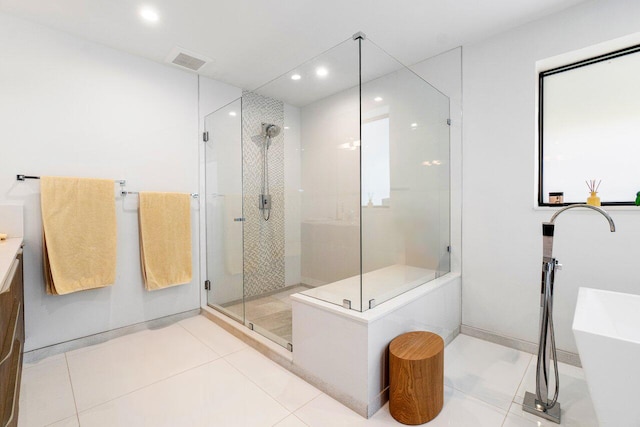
x: 539, y: 403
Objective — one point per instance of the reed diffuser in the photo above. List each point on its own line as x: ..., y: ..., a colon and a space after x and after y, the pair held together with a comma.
x: 593, y: 200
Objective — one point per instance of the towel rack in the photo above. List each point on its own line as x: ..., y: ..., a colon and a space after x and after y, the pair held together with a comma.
x: 122, y: 182
x: 124, y: 194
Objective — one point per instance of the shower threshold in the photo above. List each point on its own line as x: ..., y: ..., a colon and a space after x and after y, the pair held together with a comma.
x: 269, y: 312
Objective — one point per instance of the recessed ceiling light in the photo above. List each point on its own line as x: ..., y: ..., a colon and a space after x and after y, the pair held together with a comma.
x: 321, y: 72
x: 414, y: 125
x: 377, y: 99
x: 232, y: 113
x: 149, y: 14
x: 286, y: 127
x: 296, y: 77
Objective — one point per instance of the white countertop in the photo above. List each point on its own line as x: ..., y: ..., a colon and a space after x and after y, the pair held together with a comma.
x: 8, y: 250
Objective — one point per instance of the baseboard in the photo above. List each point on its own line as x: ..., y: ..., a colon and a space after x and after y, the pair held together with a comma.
x: 515, y: 343
x: 44, y: 352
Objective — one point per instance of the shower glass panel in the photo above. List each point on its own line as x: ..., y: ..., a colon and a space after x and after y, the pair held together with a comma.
x: 331, y: 180
x: 405, y: 179
x: 223, y: 198
x: 311, y: 239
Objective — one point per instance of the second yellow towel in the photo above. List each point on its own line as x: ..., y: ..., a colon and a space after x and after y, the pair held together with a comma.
x: 165, y: 239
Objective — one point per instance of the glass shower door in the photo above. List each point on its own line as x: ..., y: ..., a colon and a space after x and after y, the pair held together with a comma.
x: 224, y: 210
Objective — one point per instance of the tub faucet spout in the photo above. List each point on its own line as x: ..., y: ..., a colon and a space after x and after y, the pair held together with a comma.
x: 604, y: 213
x: 548, y: 228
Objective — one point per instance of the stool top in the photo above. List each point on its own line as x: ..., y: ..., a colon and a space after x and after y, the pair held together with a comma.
x: 417, y: 345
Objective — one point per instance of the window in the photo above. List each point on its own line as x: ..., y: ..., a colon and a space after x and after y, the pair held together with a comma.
x: 376, y: 175
x: 589, y: 129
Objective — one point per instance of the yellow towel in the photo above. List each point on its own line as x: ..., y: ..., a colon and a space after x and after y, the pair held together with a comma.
x: 79, y: 233
x: 165, y: 239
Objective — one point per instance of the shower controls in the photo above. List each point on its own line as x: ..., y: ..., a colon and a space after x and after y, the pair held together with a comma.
x: 264, y: 202
x: 269, y: 131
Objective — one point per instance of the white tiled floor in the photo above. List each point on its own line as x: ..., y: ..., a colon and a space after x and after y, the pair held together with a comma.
x: 194, y: 373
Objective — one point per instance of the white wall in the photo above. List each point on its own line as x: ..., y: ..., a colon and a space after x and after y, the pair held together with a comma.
x: 74, y: 108
x: 502, y: 233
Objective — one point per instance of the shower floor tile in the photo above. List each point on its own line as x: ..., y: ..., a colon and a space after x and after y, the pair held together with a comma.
x: 270, y: 312
x: 234, y: 385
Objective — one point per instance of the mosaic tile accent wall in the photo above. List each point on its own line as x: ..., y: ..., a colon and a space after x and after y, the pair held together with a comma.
x: 263, y: 240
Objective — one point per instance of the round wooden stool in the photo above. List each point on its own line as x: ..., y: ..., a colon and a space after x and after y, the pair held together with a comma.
x: 416, y: 377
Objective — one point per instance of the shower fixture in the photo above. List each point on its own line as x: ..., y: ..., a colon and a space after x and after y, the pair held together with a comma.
x: 539, y: 403
x: 269, y: 131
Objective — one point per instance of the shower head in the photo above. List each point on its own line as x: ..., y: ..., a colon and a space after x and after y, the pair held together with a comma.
x: 270, y: 130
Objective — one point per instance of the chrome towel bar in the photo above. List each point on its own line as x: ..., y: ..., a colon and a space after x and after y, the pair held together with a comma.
x: 125, y: 193
x: 21, y: 177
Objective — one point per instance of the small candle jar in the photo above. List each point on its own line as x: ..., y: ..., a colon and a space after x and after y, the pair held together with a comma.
x: 556, y: 198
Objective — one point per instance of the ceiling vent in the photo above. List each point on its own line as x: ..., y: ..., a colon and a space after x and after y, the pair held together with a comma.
x: 185, y: 59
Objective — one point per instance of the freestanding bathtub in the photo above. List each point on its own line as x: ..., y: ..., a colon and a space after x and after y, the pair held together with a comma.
x: 605, y: 326
x: 344, y: 352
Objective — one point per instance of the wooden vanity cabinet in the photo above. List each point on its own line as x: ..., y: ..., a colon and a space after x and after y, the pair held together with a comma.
x: 11, y: 343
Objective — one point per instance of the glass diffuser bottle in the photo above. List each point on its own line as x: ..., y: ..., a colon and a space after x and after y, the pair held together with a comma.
x: 593, y: 200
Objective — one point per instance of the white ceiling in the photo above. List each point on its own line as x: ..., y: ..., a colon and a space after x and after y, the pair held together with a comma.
x: 254, y: 41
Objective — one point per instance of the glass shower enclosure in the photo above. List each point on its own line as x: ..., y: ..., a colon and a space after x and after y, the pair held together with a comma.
x: 331, y: 180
